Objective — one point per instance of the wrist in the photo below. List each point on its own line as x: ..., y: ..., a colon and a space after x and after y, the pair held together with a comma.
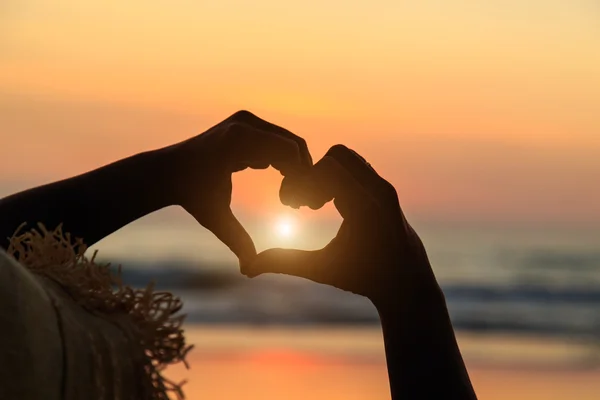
x: 158, y: 176
x: 415, y: 289
x: 183, y: 166
x: 422, y: 354
x: 424, y: 306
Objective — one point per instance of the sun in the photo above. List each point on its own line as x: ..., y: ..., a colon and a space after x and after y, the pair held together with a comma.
x: 285, y: 228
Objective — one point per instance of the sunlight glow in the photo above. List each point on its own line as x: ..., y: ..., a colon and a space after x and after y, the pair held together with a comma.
x: 285, y: 228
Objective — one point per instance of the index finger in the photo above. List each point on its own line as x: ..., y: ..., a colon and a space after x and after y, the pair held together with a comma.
x: 328, y: 180
x: 248, y: 118
x: 256, y: 148
x: 305, y: 264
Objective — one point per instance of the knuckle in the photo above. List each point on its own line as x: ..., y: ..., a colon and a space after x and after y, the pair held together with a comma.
x: 295, y: 149
x: 326, y: 163
x: 360, y: 157
x: 303, y: 150
x: 389, y: 194
x: 390, y: 190
x: 234, y: 128
x: 242, y: 115
x: 338, y: 149
x: 301, y: 143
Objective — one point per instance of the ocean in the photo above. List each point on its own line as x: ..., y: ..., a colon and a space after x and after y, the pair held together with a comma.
x: 539, y: 282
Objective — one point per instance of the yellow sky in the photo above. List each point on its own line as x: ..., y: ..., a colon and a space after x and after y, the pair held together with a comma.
x: 486, y: 111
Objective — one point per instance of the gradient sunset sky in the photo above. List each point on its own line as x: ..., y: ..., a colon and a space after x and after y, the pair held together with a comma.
x: 476, y: 111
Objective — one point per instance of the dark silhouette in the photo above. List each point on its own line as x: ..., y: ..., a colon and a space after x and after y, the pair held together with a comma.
x: 376, y: 252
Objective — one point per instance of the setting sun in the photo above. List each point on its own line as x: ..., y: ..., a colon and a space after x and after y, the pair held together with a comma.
x: 285, y: 227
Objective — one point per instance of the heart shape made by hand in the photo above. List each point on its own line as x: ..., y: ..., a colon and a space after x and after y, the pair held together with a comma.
x: 375, y: 249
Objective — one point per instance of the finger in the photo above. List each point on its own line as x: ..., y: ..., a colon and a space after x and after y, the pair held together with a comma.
x: 251, y: 147
x: 310, y: 265
x: 328, y: 180
x: 240, y: 166
x: 226, y: 227
x: 259, y: 123
x: 363, y: 172
x: 382, y: 191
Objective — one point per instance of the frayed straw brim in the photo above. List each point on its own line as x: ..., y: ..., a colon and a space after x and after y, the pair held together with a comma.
x: 102, y: 340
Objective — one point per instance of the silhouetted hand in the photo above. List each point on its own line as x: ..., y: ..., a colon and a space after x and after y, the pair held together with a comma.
x: 376, y: 253
x: 203, y: 166
x: 194, y: 174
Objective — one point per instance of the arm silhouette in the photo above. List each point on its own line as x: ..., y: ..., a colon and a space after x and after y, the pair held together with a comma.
x: 377, y: 254
x: 94, y: 204
x: 194, y: 174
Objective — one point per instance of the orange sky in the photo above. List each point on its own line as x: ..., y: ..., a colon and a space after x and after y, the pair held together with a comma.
x: 474, y: 111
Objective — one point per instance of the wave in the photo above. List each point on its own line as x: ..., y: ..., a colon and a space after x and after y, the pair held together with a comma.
x: 221, y: 295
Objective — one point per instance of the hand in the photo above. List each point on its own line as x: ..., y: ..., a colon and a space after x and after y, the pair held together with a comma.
x: 376, y: 253
x: 203, y: 166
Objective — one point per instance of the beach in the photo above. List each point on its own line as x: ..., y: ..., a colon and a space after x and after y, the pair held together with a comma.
x: 524, y: 304
x: 231, y: 362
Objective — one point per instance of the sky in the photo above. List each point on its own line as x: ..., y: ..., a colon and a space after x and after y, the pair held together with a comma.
x: 480, y: 112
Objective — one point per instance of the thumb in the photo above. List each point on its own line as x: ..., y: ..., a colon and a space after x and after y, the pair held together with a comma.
x: 310, y: 265
x: 230, y: 231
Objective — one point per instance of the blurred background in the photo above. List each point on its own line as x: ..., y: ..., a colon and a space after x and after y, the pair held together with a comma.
x: 485, y: 116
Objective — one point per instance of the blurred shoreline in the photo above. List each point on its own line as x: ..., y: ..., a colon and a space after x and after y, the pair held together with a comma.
x: 365, y: 345
x: 221, y: 295
x: 348, y: 362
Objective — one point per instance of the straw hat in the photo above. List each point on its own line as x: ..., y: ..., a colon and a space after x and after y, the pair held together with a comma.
x: 71, y: 330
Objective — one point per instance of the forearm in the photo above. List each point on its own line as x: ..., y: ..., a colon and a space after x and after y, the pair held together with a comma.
x: 424, y: 361
x: 95, y: 204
